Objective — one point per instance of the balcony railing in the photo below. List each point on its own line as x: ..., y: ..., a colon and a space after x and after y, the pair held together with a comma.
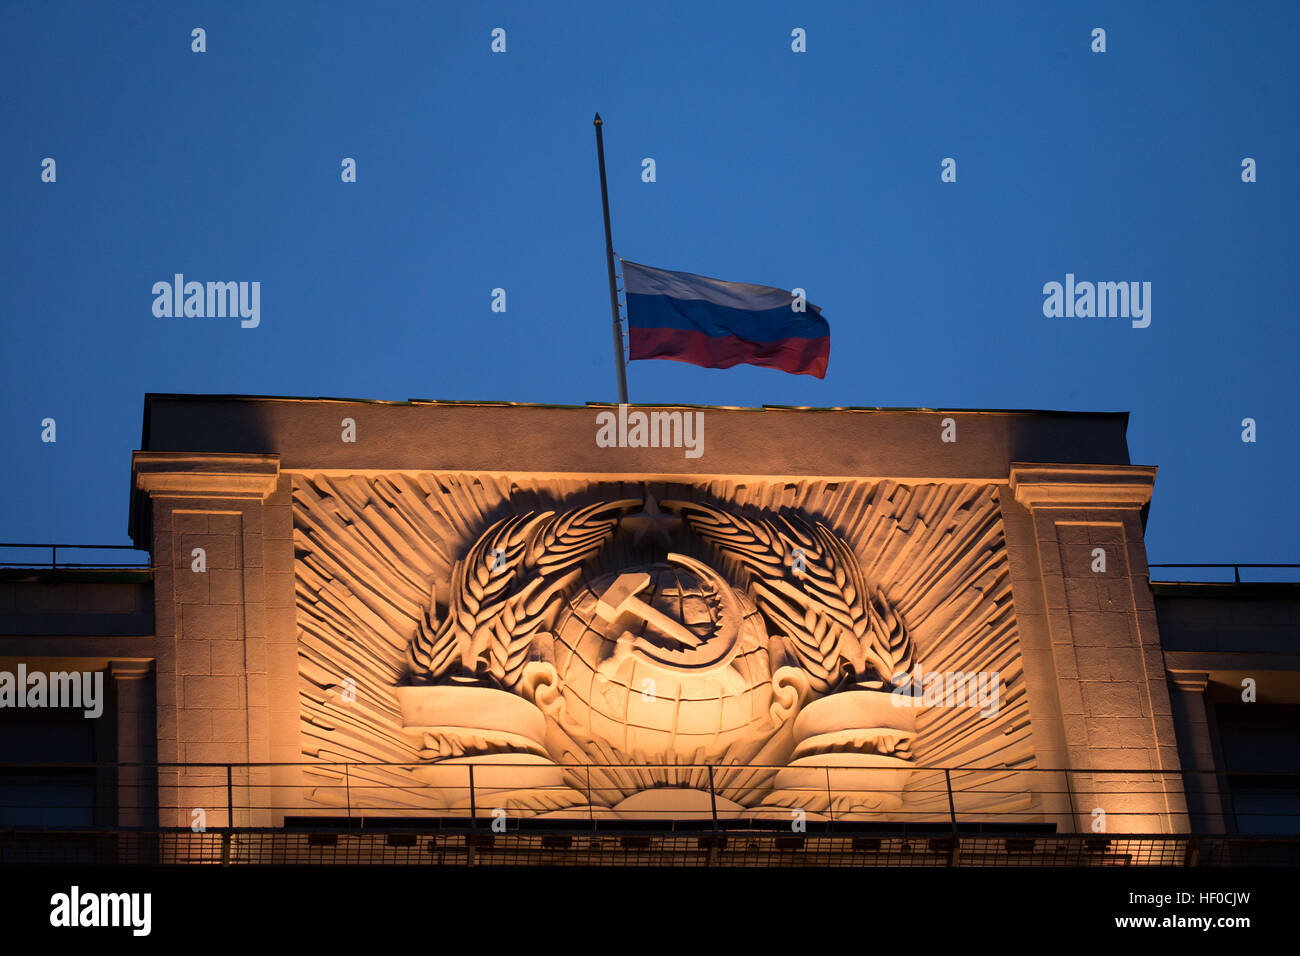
x: 53, y: 563
x: 1236, y: 569
x: 466, y: 813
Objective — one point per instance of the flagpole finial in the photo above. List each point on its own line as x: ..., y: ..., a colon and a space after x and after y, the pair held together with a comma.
x: 597, y: 121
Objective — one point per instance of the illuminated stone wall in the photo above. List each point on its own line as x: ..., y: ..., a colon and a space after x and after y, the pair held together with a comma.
x: 353, y: 547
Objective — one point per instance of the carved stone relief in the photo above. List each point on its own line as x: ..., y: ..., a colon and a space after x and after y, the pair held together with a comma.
x: 623, y: 648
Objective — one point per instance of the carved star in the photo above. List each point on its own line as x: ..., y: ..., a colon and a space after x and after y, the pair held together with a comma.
x: 651, y: 522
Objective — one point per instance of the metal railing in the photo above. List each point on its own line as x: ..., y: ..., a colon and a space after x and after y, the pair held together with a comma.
x: 53, y: 563
x: 480, y: 813
x: 1236, y: 568
x: 450, y: 846
x: 529, y: 808
x: 598, y: 794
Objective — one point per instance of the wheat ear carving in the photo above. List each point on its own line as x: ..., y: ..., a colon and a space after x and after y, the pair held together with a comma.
x: 511, y: 585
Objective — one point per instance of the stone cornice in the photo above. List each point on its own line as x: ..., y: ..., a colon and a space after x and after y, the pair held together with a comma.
x: 1082, y: 486
x: 129, y: 670
x: 181, y: 474
x: 773, y: 443
x: 175, y: 474
x: 1193, y: 682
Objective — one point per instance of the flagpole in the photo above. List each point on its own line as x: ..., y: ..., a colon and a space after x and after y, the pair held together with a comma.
x: 619, y: 365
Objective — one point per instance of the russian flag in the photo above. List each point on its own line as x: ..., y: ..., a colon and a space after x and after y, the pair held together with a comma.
x: 716, y: 324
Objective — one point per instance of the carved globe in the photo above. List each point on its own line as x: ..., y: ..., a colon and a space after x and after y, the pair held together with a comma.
x: 634, y: 681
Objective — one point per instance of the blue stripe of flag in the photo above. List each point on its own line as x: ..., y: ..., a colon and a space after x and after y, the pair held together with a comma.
x: 767, y: 325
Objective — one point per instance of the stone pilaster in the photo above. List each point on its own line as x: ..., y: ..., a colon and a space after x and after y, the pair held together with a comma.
x: 1196, y: 750
x: 283, y: 742
x: 206, y: 531
x: 1049, y: 783
x: 136, y: 786
x: 1116, y: 717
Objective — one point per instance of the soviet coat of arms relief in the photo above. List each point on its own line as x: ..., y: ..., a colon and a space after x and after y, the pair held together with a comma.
x: 632, y: 649
x: 665, y: 650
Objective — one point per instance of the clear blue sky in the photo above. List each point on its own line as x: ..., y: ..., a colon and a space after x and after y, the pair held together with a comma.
x: 821, y: 170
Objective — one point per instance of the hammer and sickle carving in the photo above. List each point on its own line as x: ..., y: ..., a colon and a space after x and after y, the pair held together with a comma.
x: 692, y: 652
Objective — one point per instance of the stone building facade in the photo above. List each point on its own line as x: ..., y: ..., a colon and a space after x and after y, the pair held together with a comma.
x: 849, y: 614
